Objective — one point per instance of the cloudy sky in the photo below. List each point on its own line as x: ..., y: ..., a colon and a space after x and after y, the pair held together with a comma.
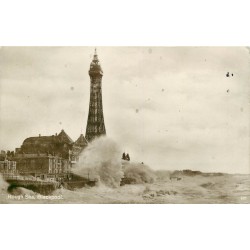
x: 170, y: 107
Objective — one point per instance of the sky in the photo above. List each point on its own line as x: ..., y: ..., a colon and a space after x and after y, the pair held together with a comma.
x: 169, y: 107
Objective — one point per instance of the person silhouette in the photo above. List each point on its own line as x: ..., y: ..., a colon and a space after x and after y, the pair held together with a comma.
x: 127, y: 157
x: 124, y: 156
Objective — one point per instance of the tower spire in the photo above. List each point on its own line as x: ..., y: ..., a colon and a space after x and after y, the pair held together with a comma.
x: 95, y: 58
x: 95, y: 124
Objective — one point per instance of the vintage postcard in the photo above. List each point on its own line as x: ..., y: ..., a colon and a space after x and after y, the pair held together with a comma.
x: 107, y: 125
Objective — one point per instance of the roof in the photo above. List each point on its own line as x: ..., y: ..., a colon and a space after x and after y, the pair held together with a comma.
x: 39, y: 139
x: 81, y: 141
x: 62, y: 137
x: 55, y: 144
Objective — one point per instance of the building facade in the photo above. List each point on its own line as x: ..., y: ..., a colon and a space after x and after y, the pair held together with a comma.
x: 43, y: 166
x: 77, y: 148
x: 7, y: 164
x: 8, y: 167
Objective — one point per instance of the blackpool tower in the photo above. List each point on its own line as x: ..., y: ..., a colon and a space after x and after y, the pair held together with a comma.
x: 95, y: 124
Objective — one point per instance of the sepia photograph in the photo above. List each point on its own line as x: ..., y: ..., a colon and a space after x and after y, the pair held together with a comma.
x: 124, y: 125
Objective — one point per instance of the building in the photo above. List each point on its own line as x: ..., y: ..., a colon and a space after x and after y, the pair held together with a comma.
x: 48, y: 156
x: 7, y: 164
x: 43, y: 166
x: 95, y: 123
x: 77, y: 148
x: 8, y: 167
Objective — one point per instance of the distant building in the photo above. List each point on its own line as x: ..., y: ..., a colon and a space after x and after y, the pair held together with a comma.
x: 7, y: 164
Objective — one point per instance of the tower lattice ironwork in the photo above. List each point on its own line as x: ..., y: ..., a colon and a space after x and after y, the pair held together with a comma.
x: 95, y: 124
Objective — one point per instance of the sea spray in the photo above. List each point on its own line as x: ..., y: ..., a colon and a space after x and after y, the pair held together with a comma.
x: 102, y: 159
x: 137, y: 173
x: 3, y: 184
x: 3, y: 189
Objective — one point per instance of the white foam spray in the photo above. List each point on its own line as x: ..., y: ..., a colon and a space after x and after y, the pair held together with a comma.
x: 102, y: 159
